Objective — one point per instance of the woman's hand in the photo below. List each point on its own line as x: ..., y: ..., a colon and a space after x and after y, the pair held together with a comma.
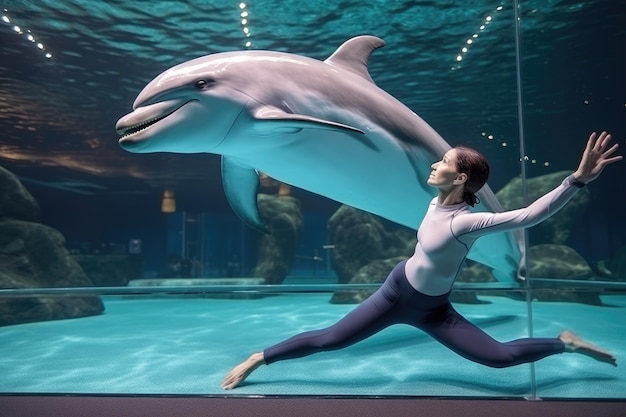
x: 596, y: 157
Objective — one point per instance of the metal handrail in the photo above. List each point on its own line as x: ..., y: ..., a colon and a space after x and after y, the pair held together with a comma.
x: 535, y: 284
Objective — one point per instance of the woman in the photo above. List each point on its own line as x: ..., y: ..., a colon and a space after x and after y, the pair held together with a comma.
x: 416, y: 291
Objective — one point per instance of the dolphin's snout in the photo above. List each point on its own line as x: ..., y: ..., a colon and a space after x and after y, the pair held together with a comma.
x: 131, y: 126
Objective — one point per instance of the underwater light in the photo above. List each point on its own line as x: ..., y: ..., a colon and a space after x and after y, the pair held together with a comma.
x: 504, y: 144
x: 168, y: 203
x: 244, y: 24
x: 533, y: 161
x: 29, y: 36
x: 470, y: 41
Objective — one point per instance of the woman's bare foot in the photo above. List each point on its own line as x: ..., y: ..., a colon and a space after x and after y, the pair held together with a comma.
x: 573, y: 343
x: 241, y: 371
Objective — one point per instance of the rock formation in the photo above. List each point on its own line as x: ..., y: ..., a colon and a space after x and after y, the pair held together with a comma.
x: 33, y: 255
x: 15, y: 201
x: 360, y: 238
x: 559, y: 262
x: 556, y: 229
x: 276, y: 251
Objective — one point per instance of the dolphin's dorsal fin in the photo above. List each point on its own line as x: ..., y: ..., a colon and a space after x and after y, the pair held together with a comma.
x: 353, y: 54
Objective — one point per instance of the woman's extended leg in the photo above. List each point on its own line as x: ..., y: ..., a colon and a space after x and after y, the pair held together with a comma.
x: 464, y: 338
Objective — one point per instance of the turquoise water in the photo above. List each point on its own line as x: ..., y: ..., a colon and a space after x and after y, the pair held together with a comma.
x: 175, y: 345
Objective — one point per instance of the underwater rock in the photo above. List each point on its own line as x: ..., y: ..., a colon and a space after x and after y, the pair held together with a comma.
x: 471, y: 272
x: 34, y: 256
x: 15, y: 200
x: 277, y: 250
x: 356, y: 237
x: 557, y: 228
x: 360, y: 238
x: 373, y: 273
x: 561, y: 262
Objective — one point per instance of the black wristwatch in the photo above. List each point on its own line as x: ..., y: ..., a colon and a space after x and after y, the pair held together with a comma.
x: 572, y: 181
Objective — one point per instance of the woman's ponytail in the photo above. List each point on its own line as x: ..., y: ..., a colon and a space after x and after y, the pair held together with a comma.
x: 472, y: 163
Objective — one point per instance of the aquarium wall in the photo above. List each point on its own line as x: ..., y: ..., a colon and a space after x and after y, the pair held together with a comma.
x: 130, y: 267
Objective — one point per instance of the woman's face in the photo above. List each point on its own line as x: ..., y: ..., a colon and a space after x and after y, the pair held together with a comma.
x: 444, y: 172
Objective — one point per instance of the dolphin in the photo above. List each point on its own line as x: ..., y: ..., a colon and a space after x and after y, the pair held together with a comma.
x: 322, y: 126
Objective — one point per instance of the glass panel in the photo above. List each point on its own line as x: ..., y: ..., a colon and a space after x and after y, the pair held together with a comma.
x: 572, y: 86
x: 163, y: 280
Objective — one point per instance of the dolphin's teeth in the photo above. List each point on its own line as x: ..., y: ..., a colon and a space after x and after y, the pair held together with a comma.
x: 131, y: 130
x: 136, y: 128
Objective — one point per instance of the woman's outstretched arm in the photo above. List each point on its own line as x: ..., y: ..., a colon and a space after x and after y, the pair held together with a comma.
x: 596, y: 156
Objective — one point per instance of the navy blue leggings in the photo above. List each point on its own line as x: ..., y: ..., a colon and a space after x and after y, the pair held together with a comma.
x: 398, y: 302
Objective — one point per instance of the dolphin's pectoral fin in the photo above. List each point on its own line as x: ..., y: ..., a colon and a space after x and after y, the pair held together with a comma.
x: 241, y: 184
x: 275, y: 118
x: 272, y: 120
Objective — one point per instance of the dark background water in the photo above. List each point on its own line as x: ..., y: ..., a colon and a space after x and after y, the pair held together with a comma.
x: 57, y: 114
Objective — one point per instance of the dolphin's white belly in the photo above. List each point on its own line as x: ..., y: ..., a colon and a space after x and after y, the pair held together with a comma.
x: 341, y: 167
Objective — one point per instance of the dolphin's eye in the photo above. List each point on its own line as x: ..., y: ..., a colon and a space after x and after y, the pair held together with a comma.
x: 202, y: 84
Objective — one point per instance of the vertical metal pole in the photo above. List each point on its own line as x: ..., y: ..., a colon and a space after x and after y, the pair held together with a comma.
x: 202, y: 261
x: 183, y: 236
x: 522, y: 147
x: 242, y: 256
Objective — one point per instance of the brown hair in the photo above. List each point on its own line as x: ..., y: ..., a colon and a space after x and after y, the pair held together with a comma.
x: 474, y: 164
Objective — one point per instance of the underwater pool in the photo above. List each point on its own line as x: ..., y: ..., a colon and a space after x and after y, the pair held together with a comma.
x: 185, y: 345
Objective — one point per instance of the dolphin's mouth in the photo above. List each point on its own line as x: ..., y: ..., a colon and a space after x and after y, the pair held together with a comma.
x: 145, y: 117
